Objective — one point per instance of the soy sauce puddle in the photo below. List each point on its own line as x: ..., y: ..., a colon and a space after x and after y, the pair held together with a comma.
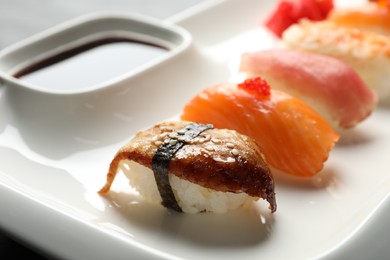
x: 90, y: 63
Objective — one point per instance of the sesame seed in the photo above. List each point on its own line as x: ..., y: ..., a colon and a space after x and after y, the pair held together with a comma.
x: 207, y: 138
x: 225, y: 160
x: 181, y: 131
x: 173, y: 142
x: 229, y: 145
x: 209, y: 148
x: 163, y: 135
x: 216, y: 141
x: 155, y: 138
x: 158, y: 143
x: 181, y: 138
x: 172, y: 135
x: 234, y: 152
x: 217, y: 159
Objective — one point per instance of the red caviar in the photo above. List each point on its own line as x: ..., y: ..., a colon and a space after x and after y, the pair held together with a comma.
x: 256, y: 85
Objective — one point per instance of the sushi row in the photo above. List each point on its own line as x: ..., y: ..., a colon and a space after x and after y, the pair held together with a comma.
x: 221, y: 154
x: 358, y: 36
x: 230, y: 138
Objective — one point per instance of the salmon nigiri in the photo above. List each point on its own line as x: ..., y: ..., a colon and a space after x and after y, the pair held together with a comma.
x: 370, y: 17
x: 293, y: 137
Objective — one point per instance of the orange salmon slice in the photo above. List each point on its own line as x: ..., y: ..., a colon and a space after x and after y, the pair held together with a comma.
x: 292, y: 136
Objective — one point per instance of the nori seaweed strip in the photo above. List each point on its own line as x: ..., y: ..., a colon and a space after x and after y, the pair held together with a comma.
x: 164, y: 154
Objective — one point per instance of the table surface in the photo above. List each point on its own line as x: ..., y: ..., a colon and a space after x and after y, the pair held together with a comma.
x: 20, y: 19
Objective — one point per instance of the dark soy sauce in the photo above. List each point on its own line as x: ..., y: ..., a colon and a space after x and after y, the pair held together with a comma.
x: 90, y: 64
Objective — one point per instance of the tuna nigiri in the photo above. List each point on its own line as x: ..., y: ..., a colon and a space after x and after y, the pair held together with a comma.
x: 367, y: 53
x: 191, y: 167
x: 327, y: 84
x: 293, y: 137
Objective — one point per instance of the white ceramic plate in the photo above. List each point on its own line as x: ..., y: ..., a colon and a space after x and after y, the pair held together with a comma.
x: 55, y: 151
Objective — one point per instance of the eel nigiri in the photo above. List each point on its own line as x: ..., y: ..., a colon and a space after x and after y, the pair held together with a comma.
x: 191, y: 167
x: 370, y: 17
x: 327, y: 84
x: 367, y: 53
x: 293, y: 137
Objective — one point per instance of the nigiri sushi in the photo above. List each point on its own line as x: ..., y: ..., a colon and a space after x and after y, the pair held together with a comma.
x: 367, y: 53
x: 327, y: 84
x: 191, y: 167
x: 293, y: 137
x: 370, y: 17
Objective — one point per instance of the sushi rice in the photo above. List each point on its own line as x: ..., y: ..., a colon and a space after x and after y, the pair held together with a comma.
x: 192, y: 198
